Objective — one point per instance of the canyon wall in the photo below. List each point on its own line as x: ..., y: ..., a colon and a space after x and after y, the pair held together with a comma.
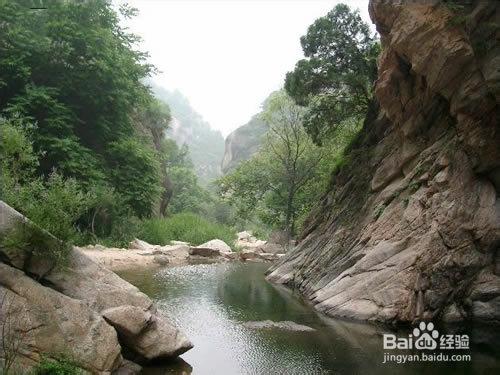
x: 410, y: 227
x: 243, y: 143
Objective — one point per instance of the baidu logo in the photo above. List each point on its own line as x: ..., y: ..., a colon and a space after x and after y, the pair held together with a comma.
x: 430, y: 343
x: 426, y: 336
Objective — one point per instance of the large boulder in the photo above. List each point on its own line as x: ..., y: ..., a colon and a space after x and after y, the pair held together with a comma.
x: 217, y: 244
x: 246, y: 240
x: 204, y: 252
x: 150, y: 336
x: 272, y: 248
x: 248, y: 255
x: 246, y: 236
x: 137, y: 244
x: 103, y: 290
x: 44, y: 321
x: 174, y: 254
x: 98, y: 290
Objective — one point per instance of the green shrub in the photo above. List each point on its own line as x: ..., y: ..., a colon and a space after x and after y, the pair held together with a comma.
x: 184, y: 227
x: 59, y: 366
x: 32, y: 240
x: 54, y: 205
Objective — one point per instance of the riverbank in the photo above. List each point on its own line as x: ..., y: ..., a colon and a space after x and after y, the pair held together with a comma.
x: 120, y: 259
x: 141, y: 254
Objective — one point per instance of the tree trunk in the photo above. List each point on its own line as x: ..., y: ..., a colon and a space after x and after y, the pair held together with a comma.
x: 166, y: 195
x: 289, y: 221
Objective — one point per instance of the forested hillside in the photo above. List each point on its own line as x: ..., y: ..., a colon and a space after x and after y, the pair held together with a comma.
x: 82, y: 142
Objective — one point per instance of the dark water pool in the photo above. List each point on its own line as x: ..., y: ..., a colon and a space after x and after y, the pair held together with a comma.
x: 210, y: 301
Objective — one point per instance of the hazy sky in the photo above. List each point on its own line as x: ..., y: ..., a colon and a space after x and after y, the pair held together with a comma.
x: 226, y: 56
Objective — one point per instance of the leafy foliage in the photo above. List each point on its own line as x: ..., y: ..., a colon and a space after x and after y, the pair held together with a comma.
x: 73, y: 72
x: 335, y: 79
x: 286, y: 162
x: 185, y: 227
x: 55, y: 204
x: 135, y: 171
x: 187, y: 194
x: 18, y: 159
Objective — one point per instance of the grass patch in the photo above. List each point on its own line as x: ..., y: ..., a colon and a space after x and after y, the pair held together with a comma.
x: 184, y: 227
x: 59, y: 366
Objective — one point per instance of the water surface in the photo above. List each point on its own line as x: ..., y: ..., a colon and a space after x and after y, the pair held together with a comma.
x: 210, y: 301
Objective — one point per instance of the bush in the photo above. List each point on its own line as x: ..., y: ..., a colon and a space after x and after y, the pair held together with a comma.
x: 60, y: 366
x: 34, y: 241
x: 184, y: 227
x: 54, y: 205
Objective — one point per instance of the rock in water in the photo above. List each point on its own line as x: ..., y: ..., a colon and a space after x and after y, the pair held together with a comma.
x: 411, y: 226
x: 286, y: 325
x: 66, y: 308
x: 150, y: 335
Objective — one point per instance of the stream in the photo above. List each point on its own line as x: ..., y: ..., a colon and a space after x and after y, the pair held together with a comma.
x: 209, y: 302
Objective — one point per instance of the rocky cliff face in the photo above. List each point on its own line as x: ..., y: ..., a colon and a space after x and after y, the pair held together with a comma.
x: 243, y: 143
x: 81, y: 311
x: 410, y: 228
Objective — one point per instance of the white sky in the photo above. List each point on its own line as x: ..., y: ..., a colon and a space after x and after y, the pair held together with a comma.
x: 226, y: 56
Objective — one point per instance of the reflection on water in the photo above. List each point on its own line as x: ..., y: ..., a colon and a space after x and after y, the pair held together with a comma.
x: 209, y: 302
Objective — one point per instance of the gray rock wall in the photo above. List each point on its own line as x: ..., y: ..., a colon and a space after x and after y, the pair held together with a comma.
x: 411, y: 227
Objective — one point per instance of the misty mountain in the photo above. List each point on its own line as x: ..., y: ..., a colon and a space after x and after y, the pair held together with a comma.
x: 206, y: 145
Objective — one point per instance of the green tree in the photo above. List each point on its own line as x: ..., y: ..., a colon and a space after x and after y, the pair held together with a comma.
x: 135, y: 171
x: 75, y: 73
x: 186, y: 193
x: 335, y: 79
x: 17, y: 158
x: 155, y: 119
x: 270, y: 183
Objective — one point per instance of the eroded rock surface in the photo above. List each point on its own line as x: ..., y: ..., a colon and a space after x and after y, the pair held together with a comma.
x: 42, y: 321
x: 411, y: 227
